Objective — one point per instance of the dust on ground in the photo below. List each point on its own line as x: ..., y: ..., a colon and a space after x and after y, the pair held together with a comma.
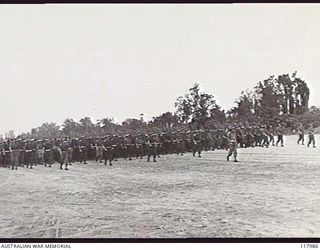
x: 271, y: 192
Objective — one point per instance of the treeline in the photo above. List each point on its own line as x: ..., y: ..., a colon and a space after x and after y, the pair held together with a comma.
x: 281, y: 100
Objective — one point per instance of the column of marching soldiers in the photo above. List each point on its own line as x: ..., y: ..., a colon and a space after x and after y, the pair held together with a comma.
x: 27, y: 153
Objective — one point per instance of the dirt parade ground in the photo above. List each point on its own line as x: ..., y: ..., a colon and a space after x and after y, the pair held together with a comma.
x: 271, y: 192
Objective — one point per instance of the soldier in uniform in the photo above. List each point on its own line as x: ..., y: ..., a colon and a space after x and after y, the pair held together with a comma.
x: 40, y: 151
x: 271, y: 135
x: 83, y: 150
x: 63, y: 154
x: 280, y: 136
x: 48, y: 153
x: 311, y: 137
x: 257, y: 136
x: 14, y: 154
x: 264, y: 137
x: 22, y: 152
x: 69, y: 155
x: 75, y: 149
x: 128, y: 144
x: 2, y: 154
x: 196, y: 147
x: 153, y: 145
x: 140, y: 146
x: 107, y: 147
x: 301, y: 135
x: 181, y: 145
x: 7, y: 153
x: 232, y: 139
x: 32, y: 153
x: 99, y: 150
x: 240, y: 137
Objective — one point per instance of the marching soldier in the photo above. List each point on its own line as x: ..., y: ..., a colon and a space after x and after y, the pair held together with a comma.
x: 63, y: 154
x: 99, y: 150
x: 22, y: 152
x: 83, y: 150
x: 140, y: 146
x: 311, y: 137
x: 280, y: 136
x: 232, y: 139
x: 14, y: 154
x: 107, y: 150
x: 271, y: 135
x: 2, y: 154
x: 48, y: 153
x: 264, y: 137
x: 154, y: 144
x: 128, y: 143
x: 301, y: 135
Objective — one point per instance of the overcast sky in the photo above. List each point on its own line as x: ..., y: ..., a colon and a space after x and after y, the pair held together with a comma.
x: 60, y: 61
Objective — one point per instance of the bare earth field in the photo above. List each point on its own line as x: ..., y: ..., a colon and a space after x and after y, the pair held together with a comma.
x: 271, y: 192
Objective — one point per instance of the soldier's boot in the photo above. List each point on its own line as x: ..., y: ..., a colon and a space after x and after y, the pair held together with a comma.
x: 66, y: 168
x: 31, y: 166
x: 110, y: 163
x: 199, y: 154
x: 228, y: 157
x: 148, y: 158
x: 194, y: 154
x: 61, y: 164
x: 235, y: 154
x: 154, y: 158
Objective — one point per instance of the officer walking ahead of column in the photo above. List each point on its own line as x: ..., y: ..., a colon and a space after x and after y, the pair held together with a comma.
x: 232, y: 141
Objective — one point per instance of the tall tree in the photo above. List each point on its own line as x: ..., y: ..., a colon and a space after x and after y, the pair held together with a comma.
x: 86, y: 126
x: 196, y: 105
x: 165, y: 121
x: 70, y: 127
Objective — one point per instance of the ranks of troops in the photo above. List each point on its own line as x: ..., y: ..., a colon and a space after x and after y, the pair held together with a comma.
x: 28, y: 153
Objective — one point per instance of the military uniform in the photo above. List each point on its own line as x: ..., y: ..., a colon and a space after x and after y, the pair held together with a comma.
x: 301, y: 135
x: 48, y: 153
x: 232, y: 138
x: 280, y: 137
x: 311, y: 138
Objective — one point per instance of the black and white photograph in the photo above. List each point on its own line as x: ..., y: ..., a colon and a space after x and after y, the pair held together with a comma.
x: 159, y: 121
